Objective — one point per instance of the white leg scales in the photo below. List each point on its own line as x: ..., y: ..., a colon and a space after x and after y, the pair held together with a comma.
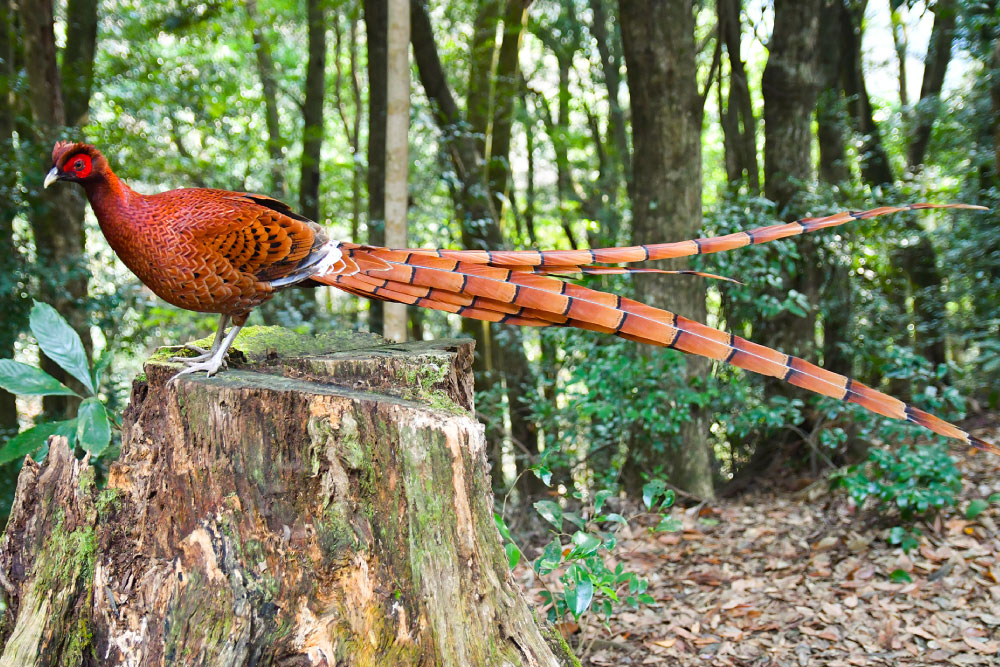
x: 213, y: 360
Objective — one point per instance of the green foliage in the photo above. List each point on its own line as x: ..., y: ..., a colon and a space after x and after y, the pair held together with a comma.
x: 903, y: 485
x: 91, y: 428
x: 577, y: 565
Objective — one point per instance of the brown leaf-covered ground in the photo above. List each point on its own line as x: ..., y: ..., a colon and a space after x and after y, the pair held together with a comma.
x: 803, y: 579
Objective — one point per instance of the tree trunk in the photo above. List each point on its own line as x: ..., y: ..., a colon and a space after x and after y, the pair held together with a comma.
x: 12, y: 306
x: 312, y: 111
x: 57, y: 214
x: 738, y: 120
x: 831, y: 116
x: 270, y: 516
x: 659, y: 44
x: 269, y: 86
x: 376, y: 25
x: 875, y: 167
x: 611, y: 69
x: 935, y: 67
x: 397, y: 125
x: 790, y: 85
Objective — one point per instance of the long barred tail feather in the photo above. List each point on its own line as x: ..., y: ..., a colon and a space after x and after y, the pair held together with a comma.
x: 506, y: 287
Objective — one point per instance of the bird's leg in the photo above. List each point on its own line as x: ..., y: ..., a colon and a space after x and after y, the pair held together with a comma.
x: 217, y: 359
x: 202, y: 354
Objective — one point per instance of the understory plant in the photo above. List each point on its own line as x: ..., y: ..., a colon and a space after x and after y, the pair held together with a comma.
x: 903, y: 485
x: 91, y: 427
x: 577, y: 567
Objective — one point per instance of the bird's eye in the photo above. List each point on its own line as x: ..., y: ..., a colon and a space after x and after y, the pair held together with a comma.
x: 78, y: 165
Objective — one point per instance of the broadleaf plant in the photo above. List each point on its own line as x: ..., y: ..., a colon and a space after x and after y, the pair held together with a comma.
x: 91, y: 428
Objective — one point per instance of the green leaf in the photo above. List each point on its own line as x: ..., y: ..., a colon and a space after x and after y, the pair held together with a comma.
x: 513, y: 555
x: 24, y: 443
x: 550, y: 511
x: 93, y: 429
x: 900, y: 576
x: 585, y: 543
x: 550, y: 558
x: 542, y: 473
x: 502, y: 526
x: 24, y: 380
x: 60, y: 342
x: 651, y: 491
x: 584, y: 595
x: 975, y: 508
x: 646, y: 598
x: 600, y: 497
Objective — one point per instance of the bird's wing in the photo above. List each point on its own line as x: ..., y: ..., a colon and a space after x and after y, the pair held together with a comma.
x: 261, y: 236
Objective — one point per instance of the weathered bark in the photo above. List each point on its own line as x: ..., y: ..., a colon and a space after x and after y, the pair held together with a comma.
x: 330, y: 507
x: 269, y: 86
x: 738, y: 122
x: 659, y: 45
x: 935, y: 67
x: 57, y: 213
x: 376, y: 25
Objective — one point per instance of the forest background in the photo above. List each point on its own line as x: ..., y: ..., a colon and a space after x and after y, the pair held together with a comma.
x: 555, y: 124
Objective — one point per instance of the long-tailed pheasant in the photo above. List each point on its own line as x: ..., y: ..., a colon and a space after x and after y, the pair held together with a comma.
x: 227, y: 252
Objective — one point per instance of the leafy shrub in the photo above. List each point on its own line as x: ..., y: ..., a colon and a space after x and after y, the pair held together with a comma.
x: 573, y: 566
x: 905, y: 485
x: 91, y: 428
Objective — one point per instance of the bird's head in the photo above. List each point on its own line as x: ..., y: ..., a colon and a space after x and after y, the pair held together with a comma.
x: 75, y: 162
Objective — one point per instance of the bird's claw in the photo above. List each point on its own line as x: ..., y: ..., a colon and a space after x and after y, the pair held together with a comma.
x: 211, y: 366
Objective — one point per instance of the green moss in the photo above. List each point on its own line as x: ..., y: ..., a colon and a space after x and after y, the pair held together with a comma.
x: 108, y: 501
x: 259, y: 343
x: 66, y: 560
x: 87, y: 481
x: 556, y: 642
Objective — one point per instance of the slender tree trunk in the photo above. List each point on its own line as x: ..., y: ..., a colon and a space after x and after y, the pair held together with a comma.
x: 11, y: 303
x: 506, y: 84
x: 269, y: 86
x: 740, y: 121
x: 875, y: 167
x: 831, y: 116
x: 376, y: 25
x: 994, y: 65
x: 351, y: 121
x: 901, y: 43
x: 77, y: 72
x: 611, y: 69
x: 935, y: 67
x: 397, y: 124
x: 660, y: 55
x: 312, y: 111
x: 57, y: 220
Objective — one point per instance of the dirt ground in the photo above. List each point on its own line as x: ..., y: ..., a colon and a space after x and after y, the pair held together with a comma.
x: 804, y: 579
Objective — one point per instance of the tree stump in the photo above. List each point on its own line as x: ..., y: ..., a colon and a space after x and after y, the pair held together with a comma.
x: 326, y: 501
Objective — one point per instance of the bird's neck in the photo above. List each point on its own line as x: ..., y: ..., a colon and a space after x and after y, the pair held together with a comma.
x: 111, y: 199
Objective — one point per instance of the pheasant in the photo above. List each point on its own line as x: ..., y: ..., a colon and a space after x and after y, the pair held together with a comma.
x: 225, y: 252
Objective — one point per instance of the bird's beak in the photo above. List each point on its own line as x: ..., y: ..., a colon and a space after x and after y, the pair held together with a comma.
x: 51, y: 177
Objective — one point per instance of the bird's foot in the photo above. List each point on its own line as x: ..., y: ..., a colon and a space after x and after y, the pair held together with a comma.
x: 211, y: 366
x: 203, y: 354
